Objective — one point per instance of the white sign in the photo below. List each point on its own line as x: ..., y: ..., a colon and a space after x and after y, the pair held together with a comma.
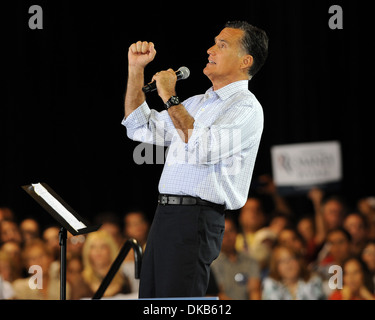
x: 306, y: 164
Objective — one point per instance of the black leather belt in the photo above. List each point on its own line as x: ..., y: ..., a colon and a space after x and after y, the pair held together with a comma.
x: 166, y: 199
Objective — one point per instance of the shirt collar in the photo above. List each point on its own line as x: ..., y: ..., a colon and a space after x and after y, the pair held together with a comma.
x: 230, y: 89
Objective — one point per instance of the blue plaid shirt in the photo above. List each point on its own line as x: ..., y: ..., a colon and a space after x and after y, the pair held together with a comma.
x: 217, y: 162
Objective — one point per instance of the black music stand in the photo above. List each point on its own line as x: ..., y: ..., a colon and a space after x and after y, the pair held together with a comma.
x: 65, y: 216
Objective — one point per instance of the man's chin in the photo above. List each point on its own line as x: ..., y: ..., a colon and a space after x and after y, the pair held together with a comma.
x: 206, y: 71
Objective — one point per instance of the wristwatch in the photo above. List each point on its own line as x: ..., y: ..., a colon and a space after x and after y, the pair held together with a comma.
x: 173, y: 101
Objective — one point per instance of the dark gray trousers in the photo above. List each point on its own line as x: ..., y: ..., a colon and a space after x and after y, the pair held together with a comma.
x: 182, y: 243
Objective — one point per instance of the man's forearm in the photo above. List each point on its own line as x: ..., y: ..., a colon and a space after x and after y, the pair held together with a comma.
x: 183, y: 121
x: 134, y: 95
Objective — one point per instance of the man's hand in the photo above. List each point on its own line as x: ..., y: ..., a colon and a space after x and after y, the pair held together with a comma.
x: 166, y: 84
x: 140, y: 54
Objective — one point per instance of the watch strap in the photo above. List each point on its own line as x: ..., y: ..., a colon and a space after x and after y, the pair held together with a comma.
x: 173, y: 101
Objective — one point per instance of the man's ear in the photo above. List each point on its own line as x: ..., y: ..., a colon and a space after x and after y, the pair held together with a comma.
x: 247, y: 61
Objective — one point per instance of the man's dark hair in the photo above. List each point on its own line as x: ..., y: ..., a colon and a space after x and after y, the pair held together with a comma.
x: 342, y: 230
x: 254, y: 42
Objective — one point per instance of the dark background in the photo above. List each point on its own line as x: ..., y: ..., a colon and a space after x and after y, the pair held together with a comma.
x: 64, y: 89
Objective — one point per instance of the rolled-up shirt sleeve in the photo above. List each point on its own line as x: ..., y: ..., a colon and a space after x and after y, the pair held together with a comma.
x: 149, y: 126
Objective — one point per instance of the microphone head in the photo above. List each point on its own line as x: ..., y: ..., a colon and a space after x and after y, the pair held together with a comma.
x: 185, y: 72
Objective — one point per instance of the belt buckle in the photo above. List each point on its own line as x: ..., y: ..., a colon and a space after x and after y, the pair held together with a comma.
x: 163, y: 200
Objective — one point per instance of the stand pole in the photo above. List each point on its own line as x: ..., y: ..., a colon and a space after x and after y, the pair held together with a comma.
x: 62, y: 242
x: 131, y: 243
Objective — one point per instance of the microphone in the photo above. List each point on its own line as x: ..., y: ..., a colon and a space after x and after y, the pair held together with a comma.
x: 182, y: 73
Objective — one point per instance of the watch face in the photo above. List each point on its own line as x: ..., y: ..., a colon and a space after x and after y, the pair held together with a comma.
x: 175, y: 100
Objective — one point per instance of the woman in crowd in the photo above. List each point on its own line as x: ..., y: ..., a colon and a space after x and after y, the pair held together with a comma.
x: 368, y: 257
x: 289, y: 278
x: 99, y: 251
x: 357, y: 285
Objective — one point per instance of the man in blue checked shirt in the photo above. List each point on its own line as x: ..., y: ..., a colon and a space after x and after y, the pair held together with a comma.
x: 213, y: 140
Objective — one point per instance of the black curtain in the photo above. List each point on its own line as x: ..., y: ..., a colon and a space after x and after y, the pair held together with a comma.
x: 60, y: 119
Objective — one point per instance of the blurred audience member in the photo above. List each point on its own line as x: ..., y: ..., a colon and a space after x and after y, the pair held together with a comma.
x: 36, y: 253
x: 289, y: 278
x: 278, y: 222
x: 136, y: 226
x: 236, y: 273
x: 52, y: 240
x: 355, y: 282
x: 289, y: 237
x: 13, y: 249
x: 9, y: 231
x: 251, y: 219
x: 6, y: 214
x: 356, y: 225
x: 74, y: 244
x: 338, y: 250
x: 79, y: 288
x: 6, y: 267
x: 366, y: 206
x: 368, y: 257
x: 329, y: 213
x: 99, y: 252
x: 30, y: 230
x: 6, y: 290
x: 6, y: 276
x: 338, y: 242
x: 110, y: 222
x: 306, y: 228
x: 264, y: 241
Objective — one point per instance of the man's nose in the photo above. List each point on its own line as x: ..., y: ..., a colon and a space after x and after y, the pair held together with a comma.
x: 211, y: 51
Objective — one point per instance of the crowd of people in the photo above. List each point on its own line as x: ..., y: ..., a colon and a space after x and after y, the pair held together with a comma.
x: 89, y: 257
x: 326, y: 254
